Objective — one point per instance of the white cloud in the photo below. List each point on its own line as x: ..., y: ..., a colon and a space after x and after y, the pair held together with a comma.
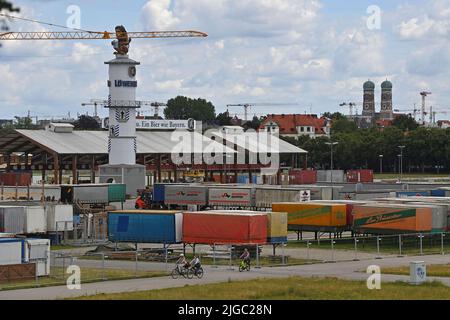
x: 156, y: 14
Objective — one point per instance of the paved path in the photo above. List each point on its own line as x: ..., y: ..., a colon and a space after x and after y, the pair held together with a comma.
x: 352, y: 270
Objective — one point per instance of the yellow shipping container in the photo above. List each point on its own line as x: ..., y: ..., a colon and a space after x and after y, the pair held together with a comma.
x: 277, y: 224
x: 313, y: 214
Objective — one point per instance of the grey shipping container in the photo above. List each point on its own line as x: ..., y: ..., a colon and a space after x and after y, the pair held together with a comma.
x: 331, y: 176
x: 184, y: 195
x: 321, y: 192
x: 266, y: 196
x: 231, y: 196
x: 85, y: 193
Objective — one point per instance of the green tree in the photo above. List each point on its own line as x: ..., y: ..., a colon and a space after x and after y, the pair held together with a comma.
x: 223, y: 119
x: 334, y: 116
x: 254, y: 124
x: 343, y: 125
x: 405, y: 122
x: 85, y: 122
x: 185, y: 108
x: 24, y: 123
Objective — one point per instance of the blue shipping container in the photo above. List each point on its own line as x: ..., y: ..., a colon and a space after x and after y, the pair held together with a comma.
x: 158, y: 193
x: 277, y: 240
x: 142, y: 227
x: 438, y: 193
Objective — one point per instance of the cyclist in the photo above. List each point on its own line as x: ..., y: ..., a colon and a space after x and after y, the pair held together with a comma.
x: 245, y: 256
x: 182, y: 263
x: 195, y: 263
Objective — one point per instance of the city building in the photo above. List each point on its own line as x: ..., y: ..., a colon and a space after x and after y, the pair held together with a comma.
x: 296, y: 125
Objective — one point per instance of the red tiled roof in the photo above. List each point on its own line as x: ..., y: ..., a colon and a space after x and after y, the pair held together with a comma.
x: 384, y: 123
x: 288, y: 123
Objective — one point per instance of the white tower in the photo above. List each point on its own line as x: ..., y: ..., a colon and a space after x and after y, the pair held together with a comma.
x: 122, y: 110
x: 122, y: 145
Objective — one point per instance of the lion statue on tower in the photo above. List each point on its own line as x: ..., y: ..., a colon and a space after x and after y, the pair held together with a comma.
x: 121, y: 45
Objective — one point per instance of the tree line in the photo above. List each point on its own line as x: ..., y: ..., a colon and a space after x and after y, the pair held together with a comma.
x: 425, y: 149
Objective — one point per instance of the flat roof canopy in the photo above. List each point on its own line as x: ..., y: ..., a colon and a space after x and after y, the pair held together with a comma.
x: 148, y: 142
x: 96, y: 142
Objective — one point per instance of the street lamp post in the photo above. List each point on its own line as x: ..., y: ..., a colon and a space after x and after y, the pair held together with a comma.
x: 331, y: 144
x: 381, y: 163
x: 401, y: 162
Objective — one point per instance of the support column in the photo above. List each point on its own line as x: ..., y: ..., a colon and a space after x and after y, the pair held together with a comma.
x: 44, y: 164
x: 55, y: 169
x: 75, y: 169
x: 93, y: 169
x: 8, y: 162
x: 158, y: 167
x: 61, y: 168
x: 250, y: 176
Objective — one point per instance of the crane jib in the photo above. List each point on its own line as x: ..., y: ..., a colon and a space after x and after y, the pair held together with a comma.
x: 81, y: 35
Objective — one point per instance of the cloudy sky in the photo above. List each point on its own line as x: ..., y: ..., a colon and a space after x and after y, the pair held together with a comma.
x: 313, y: 53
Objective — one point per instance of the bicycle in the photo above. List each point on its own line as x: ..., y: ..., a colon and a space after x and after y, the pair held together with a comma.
x: 184, y: 272
x: 198, y: 272
x: 244, y: 266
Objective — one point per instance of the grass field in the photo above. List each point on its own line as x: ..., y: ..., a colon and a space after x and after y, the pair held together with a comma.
x: 88, y: 275
x: 294, y: 288
x: 432, y: 270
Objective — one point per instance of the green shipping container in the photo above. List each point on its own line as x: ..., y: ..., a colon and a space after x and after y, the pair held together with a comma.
x: 117, y: 192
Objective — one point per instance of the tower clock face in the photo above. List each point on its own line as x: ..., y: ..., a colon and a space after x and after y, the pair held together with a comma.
x: 384, y: 107
x: 366, y: 107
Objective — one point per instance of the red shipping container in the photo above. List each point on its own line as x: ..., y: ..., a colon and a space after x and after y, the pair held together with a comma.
x: 302, y: 176
x: 208, y: 227
x: 360, y: 176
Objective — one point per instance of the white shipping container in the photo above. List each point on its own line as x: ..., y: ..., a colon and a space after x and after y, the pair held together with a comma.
x: 38, y: 251
x: 178, y: 227
x: 242, y: 197
x: 35, y: 220
x: 266, y: 196
x: 12, y: 219
x: 10, y: 251
x: 59, y: 217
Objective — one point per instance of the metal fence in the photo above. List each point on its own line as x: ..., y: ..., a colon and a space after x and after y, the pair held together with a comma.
x: 370, y: 247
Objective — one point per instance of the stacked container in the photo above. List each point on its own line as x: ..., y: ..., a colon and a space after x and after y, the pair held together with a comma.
x: 145, y: 226
x: 225, y: 227
x: 313, y: 214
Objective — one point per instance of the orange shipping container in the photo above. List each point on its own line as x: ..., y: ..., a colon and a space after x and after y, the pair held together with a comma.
x: 385, y: 217
x: 219, y: 228
x: 313, y: 214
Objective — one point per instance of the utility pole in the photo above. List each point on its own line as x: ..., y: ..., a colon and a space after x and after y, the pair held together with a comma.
x: 331, y: 144
x: 401, y: 162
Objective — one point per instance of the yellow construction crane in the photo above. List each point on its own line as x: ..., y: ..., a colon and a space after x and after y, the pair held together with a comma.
x: 121, y: 37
